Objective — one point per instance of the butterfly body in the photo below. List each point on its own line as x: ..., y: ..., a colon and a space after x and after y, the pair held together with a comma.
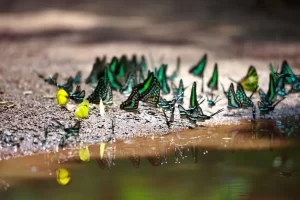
x: 212, y: 102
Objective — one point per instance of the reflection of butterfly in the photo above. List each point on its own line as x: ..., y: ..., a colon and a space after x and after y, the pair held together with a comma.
x: 154, y: 160
x: 135, y: 160
x: 213, y: 82
x: 162, y: 79
x: 250, y: 81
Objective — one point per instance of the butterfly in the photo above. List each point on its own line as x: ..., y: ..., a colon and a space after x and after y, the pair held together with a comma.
x: 121, y: 69
x: 270, y: 97
x: 108, y: 96
x: 132, y: 102
x: 82, y: 110
x: 68, y: 86
x: 77, y: 78
x: 168, y: 105
x: 250, y: 81
x: 212, y: 102
x: 285, y: 69
x: 77, y: 95
x: 198, y: 70
x: 143, y: 68
x: 266, y: 108
x: 100, y: 90
x: 62, y: 97
x: 149, y: 90
x: 198, y: 115
x: 126, y: 89
x: 97, y: 71
x: 115, y: 84
x: 193, y: 97
x: 213, y: 82
x: 178, y: 92
x: 242, y: 97
x: 52, y: 80
x: 233, y: 101
x: 162, y: 79
x: 175, y: 74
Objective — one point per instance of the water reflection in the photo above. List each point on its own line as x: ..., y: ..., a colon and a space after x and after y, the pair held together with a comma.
x: 225, y: 162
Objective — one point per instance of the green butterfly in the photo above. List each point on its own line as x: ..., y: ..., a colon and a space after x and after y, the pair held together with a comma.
x: 168, y: 105
x: 143, y: 67
x: 153, y: 94
x: 108, y: 96
x: 213, y: 82
x: 115, y: 84
x: 77, y: 95
x: 233, y: 101
x: 285, y: 69
x: 77, y: 78
x: 178, y: 92
x: 129, y: 84
x: 212, y: 102
x: 132, y: 103
x: 175, y: 74
x: 97, y: 72
x: 270, y: 97
x: 193, y: 97
x: 121, y: 69
x: 194, y: 115
x: 198, y: 70
x: 162, y: 79
x: 242, y: 97
x: 250, y: 81
x: 114, y: 63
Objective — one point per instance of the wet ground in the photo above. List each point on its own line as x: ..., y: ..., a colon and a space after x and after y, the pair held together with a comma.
x: 235, y: 157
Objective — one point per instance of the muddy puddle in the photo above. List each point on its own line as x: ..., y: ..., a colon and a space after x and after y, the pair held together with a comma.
x: 248, y: 161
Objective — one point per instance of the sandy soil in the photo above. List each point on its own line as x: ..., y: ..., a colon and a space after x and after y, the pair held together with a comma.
x: 66, y: 36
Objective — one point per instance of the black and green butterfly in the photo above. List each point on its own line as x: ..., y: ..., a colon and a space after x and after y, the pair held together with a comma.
x: 143, y: 68
x: 213, y: 82
x: 193, y: 97
x: 198, y: 70
x: 77, y: 78
x: 242, y: 97
x: 97, y: 71
x: 266, y: 108
x: 100, y: 91
x: 68, y: 86
x: 122, y: 68
x: 233, y: 101
x: 52, y: 80
x: 162, y: 79
x: 77, y: 95
x: 132, y: 102
x: 129, y: 84
x: 175, y: 74
x: 114, y: 82
x: 250, y: 81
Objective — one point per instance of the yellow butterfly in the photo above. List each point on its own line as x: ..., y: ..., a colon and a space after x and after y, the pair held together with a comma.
x: 84, y: 154
x: 62, y: 176
x: 62, y: 97
x: 82, y: 110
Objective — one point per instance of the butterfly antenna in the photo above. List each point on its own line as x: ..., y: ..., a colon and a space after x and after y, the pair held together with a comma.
x: 233, y: 80
x: 253, y: 92
x: 278, y: 102
x: 216, y: 98
x: 221, y: 110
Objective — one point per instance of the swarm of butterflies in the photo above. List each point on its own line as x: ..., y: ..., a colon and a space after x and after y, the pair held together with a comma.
x: 133, y: 78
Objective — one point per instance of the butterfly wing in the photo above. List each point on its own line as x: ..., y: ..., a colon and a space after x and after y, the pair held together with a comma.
x: 271, y: 94
x: 213, y: 82
x: 199, y: 68
x: 132, y: 102
x: 285, y: 69
x: 250, y: 81
x: 242, y: 97
x: 233, y: 102
x: 162, y: 79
